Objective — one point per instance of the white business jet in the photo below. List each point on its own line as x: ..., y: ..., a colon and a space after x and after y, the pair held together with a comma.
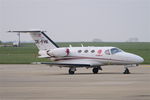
x: 75, y: 57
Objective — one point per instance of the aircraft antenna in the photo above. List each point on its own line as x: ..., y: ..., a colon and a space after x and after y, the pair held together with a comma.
x: 70, y: 45
x: 82, y: 45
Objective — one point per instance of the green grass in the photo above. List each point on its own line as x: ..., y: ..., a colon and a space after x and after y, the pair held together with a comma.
x: 19, y: 55
x: 28, y: 53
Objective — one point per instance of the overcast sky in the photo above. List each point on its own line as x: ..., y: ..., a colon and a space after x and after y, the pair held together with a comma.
x: 77, y: 20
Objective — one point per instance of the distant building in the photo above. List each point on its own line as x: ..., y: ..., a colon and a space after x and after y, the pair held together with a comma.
x: 96, y: 40
x: 133, y: 39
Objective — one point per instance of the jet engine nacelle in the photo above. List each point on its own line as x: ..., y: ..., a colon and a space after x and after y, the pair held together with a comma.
x: 59, y: 52
x: 43, y: 54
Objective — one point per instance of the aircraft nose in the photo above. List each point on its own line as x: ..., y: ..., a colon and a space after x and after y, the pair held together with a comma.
x: 135, y: 58
x: 139, y: 59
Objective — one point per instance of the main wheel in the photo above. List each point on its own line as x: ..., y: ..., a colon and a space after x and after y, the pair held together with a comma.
x: 71, y: 72
x: 95, y: 70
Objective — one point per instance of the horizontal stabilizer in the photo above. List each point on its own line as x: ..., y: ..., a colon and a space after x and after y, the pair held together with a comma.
x: 26, y: 31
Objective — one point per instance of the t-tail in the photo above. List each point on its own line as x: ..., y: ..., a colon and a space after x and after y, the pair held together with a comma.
x: 42, y: 41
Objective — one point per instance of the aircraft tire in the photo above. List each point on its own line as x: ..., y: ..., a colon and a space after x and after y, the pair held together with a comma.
x: 95, y: 70
x: 126, y: 71
x: 71, y: 72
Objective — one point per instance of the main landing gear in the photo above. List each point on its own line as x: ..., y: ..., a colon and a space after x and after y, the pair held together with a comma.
x: 96, y: 69
x: 72, y: 70
x: 126, y: 71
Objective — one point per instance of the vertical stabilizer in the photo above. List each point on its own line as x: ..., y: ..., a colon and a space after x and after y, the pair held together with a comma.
x: 42, y: 41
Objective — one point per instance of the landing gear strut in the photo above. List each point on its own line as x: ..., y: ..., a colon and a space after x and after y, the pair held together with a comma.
x: 72, y: 70
x: 96, y: 69
x: 126, y: 71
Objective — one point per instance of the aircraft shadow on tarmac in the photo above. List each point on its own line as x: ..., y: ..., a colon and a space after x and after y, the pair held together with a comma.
x: 104, y: 73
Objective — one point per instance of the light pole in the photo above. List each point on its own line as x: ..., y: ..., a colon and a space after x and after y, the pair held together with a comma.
x: 18, y: 39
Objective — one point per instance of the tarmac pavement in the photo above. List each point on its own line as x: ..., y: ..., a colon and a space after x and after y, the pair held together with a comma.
x: 41, y: 82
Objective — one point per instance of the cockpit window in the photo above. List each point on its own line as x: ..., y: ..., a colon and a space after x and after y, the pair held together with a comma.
x: 115, y: 50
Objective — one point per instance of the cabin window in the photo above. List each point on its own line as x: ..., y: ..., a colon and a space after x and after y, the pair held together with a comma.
x: 79, y: 51
x: 86, y: 51
x: 107, y: 52
x: 92, y: 51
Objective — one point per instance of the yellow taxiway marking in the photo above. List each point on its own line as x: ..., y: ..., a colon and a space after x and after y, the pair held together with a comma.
x: 146, y: 66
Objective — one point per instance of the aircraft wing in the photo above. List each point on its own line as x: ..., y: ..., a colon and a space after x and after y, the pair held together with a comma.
x: 75, y: 63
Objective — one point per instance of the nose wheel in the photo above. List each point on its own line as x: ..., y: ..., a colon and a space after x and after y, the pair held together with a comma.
x: 126, y: 71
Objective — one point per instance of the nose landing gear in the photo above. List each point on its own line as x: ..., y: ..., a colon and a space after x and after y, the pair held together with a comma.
x: 126, y: 71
